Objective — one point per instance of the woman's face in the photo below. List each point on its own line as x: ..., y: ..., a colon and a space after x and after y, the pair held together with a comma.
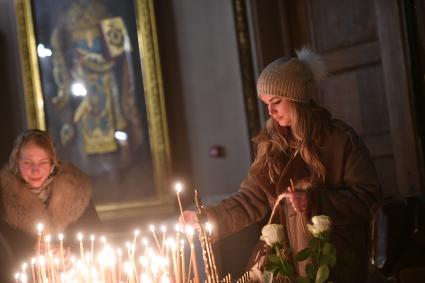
x: 34, y: 164
x: 279, y: 108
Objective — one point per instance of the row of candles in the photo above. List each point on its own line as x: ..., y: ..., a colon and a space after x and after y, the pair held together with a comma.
x: 167, y: 260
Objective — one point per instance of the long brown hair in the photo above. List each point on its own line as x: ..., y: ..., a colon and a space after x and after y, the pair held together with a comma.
x: 309, y: 125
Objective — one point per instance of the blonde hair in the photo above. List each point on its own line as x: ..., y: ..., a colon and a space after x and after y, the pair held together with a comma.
x: 37, y: 137
x: 309, y: 124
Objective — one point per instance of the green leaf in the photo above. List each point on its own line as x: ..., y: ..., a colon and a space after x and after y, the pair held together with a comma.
x: 289, y: 268
x: 327, y: 248
x: 322, y: 274
x: 328, y: 260
x: 274, y: 259
x: 302, y: 280
x: 303, y: 254
x: 310, y: 270
x: 333, y: 250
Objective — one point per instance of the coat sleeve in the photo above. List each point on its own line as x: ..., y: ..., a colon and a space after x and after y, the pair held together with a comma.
x: 351, y: 202
x: 245, y: 207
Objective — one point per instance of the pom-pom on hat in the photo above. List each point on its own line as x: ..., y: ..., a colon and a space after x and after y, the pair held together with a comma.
x: 296, y: 78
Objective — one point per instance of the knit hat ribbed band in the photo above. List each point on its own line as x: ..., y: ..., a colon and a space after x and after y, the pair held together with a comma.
x: 296, y: 79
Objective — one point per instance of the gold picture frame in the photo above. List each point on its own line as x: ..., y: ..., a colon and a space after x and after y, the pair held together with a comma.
x: 42, y: 88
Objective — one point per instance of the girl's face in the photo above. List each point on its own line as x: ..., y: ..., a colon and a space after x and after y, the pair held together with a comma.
x: 34, y: 164
x: 279, y: 108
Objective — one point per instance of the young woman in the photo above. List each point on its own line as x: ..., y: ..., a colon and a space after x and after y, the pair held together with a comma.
x: 36, y: 188
x: 330, y: 167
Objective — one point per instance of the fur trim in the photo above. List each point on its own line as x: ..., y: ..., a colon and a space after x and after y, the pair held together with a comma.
x: 70, y: 196
x: 314, y: 63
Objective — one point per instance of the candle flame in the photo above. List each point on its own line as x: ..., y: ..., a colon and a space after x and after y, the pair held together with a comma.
x: 177, y: 228
x: 152, y: 228
x: 60, y: 237
x: 178, y: 187
x: 40, y: 228
x: 208, y: 227
x: 24, y: 266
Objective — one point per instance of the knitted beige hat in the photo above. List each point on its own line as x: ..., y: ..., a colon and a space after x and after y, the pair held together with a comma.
x: 297, y: 78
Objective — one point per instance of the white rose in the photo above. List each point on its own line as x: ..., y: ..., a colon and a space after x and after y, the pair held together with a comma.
x: 272, y: 234
x: 321, y: 223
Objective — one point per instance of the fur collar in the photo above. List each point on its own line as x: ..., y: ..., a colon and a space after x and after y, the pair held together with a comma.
x: 70, y: 196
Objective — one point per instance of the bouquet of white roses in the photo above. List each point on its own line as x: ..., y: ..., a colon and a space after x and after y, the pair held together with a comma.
x: 321, y: 252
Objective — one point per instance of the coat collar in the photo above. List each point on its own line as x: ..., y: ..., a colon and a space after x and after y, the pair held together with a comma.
x: 70, y: 196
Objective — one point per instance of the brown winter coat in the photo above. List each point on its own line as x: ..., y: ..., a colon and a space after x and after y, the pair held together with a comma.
x: 69, y: 210
x: 349, y: 190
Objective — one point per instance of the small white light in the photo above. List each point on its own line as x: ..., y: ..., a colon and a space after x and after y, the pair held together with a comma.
x: 121, y: 136
x: 78, y: 89
x: 178, y: 187
x: 43, y: 51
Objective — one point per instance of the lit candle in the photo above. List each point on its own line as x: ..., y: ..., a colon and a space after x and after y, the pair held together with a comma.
x: 17, y: 275
x: 32, y: 269
x: 24, y: 272
x: 119, y: 252
x: 92, y: 238
x: 189, y: 233
x: 49, y: 257
x: 210, y: 250
x: 60, y: 236
x: 43, y: 269
x: 179, y: 187
x: 136, y: 233
x: 40, y: 228
x: 183, y: 261
x: 173, y: 249
x: 80, y: 239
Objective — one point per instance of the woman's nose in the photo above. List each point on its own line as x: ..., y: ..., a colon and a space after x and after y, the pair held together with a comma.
x: 35, y: 167
x: 271, y: 109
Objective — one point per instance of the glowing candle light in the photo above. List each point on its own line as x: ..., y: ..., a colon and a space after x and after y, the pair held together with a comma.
x: 179, y: 187
x: 80, y: 238
x: 60, y: 237
x: 92, y: 238
x: 40, y: 228
x: 17, y: 275
x: 23, y: 276
x: 119, y: 252
x: 210, y: 250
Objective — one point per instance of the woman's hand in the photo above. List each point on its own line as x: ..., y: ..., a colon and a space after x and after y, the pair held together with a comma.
x: 299, y: 199
x: 189, y: 218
